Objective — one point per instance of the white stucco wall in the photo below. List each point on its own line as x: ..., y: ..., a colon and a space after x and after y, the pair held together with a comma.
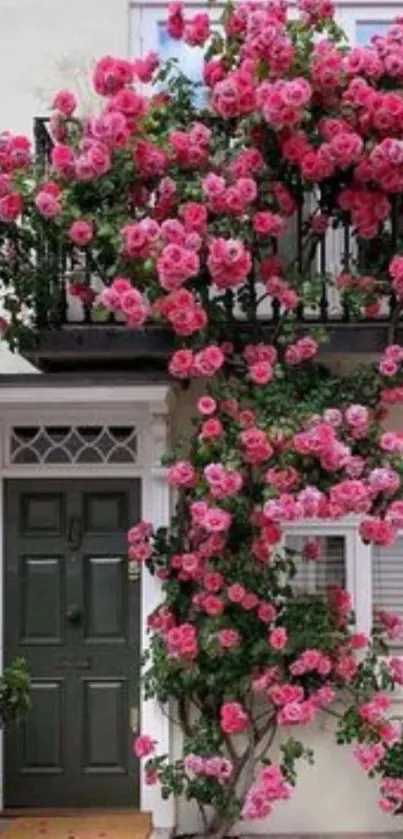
x: 333, y: 796
x: 42, y: 41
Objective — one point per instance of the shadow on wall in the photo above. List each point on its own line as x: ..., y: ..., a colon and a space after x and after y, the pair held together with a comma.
x: 332, y: 797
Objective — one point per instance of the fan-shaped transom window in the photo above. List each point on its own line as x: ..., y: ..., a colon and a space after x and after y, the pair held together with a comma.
x: 79, y: 444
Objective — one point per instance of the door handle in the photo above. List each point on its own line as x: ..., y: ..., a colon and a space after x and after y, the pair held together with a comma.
x: 73, y: 614
x: 75, y: 533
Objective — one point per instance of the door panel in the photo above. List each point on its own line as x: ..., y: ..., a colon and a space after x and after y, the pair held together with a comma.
x: 43, y: 732
x: 73, y: 613
x: 41, y: 581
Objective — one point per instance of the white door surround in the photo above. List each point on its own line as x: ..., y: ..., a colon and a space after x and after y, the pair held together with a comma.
x: 147, y: 408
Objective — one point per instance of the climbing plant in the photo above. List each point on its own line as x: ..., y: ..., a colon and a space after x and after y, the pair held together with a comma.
x: 208, y: 211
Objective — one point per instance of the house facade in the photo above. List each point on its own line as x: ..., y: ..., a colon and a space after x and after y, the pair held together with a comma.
x: 84, y: 420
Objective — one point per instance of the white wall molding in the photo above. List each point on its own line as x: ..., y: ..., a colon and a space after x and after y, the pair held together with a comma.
x: 154, y: 719
x: 155, y: 397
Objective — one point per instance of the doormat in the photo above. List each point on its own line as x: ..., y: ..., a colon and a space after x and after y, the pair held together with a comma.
x: 80, y: 826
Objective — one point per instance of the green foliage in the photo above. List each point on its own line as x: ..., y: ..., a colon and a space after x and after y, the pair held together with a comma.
x: 15, y: 697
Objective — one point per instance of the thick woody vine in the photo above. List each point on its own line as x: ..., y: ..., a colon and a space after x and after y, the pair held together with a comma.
x: 183, y: 204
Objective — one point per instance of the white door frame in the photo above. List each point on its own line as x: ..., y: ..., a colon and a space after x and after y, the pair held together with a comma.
x: 147, y: 407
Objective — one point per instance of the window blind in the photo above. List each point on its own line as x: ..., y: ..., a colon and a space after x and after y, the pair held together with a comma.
x: 387, y: 583
x: 316, y: 576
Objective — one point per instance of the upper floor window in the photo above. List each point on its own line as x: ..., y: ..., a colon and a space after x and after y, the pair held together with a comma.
x: 367, y: 29
x: 190, y: 59
x: 362, y: 21
x: 149, y: 33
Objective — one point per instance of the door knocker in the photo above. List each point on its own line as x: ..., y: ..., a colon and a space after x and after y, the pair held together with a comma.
x: 75, y: 533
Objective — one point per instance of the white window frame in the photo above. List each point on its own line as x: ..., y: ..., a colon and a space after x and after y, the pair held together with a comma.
x: 145, y: 17
x: 358, y: 564
x: 351, y: 14
x: 358, y: 561
x: 348, y: 14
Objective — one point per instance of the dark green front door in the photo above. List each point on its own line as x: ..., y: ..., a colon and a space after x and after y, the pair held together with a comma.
x: 73, y: 613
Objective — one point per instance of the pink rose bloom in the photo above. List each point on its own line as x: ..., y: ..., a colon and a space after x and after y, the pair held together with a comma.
x: 291, y: 714
x: 250, y: 601
x: 396, y: 668
x: 391, y: 623
x: 390, y: 732
x: 208, y: 361
x: 144, y: 745
x: 378, y: 531
x: 213, y: 605
x: 268, y: 224
x: 140, y: 552
x: 6, y: 184
x: 182, y: 474
x: 267, y: 612
x: 278, y: 638
x: 213, y: 581
x: 261, y: 373
x: 373, y: 712
x: 140, y: 532
x: 195, y: 216
x: 286, y: 693
x: 181, y: 364
x: 311, y: 550
x: 144, y: 68
x: 175, y: 22
x: 369, y: 756
x: 386, y: 805
x: 211, y: 429
x: 324, y: 696
x: 206, y: 405
x: 195, y: 764
x: 233, y: 718
x: 111, y: 74
x: 216, y: 520
x: 388, y: 367
x: 236, y: 593
x: 357, y: 415
x: 229, y: 262
x: 11, y: 206
x: 134, y: 307
x: 228, y: 638
x: 197, y: 30
x: 359, y: 640
x: 48, y: 205
x: 81, y: 232
x: 65, y: 102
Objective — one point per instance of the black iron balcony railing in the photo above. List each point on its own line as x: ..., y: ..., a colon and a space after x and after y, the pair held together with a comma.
x: 59, y: 309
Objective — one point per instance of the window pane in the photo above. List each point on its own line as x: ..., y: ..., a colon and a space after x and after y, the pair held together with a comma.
x: 315, y: 576
x: 367, y: 29
x: 190, y: 58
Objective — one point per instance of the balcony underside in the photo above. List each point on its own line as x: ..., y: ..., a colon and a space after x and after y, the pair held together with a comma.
x: 118, y: 348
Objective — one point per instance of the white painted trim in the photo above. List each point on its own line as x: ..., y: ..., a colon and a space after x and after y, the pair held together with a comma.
x: 148, y: 408
x: 154, y: 720
x: 363, y: 583
x: 157, y: 396
x: 2, y: 628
